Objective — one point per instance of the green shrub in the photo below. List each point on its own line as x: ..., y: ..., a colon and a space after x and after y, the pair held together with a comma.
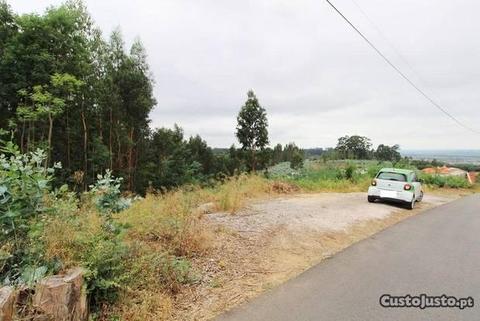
x: 445, y: 181
x: 105, y: 274
x: 350, y: 172
x: 44, y: 231
x: 24, y: 184
x: 297, y: 159
x: 372, y: 171
x: 174, y: 272
x: 106, y: 194
x: 84, y: 237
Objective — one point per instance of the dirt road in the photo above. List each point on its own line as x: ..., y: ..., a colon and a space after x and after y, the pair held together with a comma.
x: 314, y: 212
x: 273, y: 240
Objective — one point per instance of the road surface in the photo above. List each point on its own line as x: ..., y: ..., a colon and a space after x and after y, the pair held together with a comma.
x: 436, y: 252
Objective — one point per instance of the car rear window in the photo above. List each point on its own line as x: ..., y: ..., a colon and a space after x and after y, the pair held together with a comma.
x: 392, y: 176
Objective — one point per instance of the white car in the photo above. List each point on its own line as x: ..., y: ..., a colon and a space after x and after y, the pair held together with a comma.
x: 398, y: 185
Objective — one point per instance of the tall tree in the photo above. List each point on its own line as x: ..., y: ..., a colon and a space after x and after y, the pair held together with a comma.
x: 252, y: 128
x: 47, y: 102
x: 198, y: 151
x: 388, y: 153
x: 355, y: 147
x: 8, y: 29
x: 277, y: 154
x: 137, y: 96
x: 293, y: 154
x: 104, y: 124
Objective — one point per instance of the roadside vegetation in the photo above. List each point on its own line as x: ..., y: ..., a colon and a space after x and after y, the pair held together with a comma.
x: 138, y: 252
x: 352, y: 175
x: 329, y: 176
x: 84, y: 180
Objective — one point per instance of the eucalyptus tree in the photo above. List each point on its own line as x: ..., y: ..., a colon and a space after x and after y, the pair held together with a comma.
x: 252, y: 128
x: 8, y: 97
x: 48, y: 101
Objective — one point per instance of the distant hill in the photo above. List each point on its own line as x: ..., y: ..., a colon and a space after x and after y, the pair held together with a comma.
x: 219, y: 150
x: 460, y: 156
x: 309, y: 152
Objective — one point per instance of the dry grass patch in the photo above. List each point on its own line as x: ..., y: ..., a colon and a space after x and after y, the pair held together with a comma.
x: 166, y: 235
x: 448, y: 191
x: 167, y: 222
x: 65, y: 238
x: 141, y: 305
x: 232, y: 194
x: 140, y: 258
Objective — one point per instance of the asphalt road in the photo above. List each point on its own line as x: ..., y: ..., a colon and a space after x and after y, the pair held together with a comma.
x: 436, y: 252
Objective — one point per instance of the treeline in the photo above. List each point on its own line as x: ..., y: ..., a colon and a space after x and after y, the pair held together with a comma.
x: 86, y: 100
x: 357, y: 147
x: 65, y: 89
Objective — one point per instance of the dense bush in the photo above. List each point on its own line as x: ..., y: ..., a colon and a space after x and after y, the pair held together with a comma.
x: 89, y: 237
x: 43, y: 231
x: 84, y: 237
x: 350, y: 172
x: 445, y: 181
x: 24, y: 185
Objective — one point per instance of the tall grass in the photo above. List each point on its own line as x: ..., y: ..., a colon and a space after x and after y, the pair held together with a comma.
x: 141, y: 259
x: 170, y: 221
x: 232, y: 194
x: 144, y: 254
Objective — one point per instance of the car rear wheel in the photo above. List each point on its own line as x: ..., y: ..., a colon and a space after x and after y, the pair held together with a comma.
x: 420, y: 198
x: 411, y: 205
x: 371, y: 199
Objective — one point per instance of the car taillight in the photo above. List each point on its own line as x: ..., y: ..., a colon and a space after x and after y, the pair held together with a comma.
x: 374, y: 183
x: 407, y: 187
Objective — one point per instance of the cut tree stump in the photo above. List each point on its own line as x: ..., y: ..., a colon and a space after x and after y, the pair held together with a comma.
x: 7, y: 303
x: 62, y: 298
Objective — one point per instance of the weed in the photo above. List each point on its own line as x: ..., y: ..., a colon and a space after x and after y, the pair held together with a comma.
x: 232, y: 194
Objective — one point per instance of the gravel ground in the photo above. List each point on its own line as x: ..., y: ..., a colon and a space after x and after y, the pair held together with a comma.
x: 314, y: 212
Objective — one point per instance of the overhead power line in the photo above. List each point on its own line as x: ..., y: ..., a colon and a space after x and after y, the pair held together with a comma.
x: 433, y: 102
x: 387, y: 40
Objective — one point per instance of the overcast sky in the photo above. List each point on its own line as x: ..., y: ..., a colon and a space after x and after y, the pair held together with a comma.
x: 317, y: 79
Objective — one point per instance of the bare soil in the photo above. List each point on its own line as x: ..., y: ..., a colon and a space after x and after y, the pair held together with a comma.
x: 273, y: 240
